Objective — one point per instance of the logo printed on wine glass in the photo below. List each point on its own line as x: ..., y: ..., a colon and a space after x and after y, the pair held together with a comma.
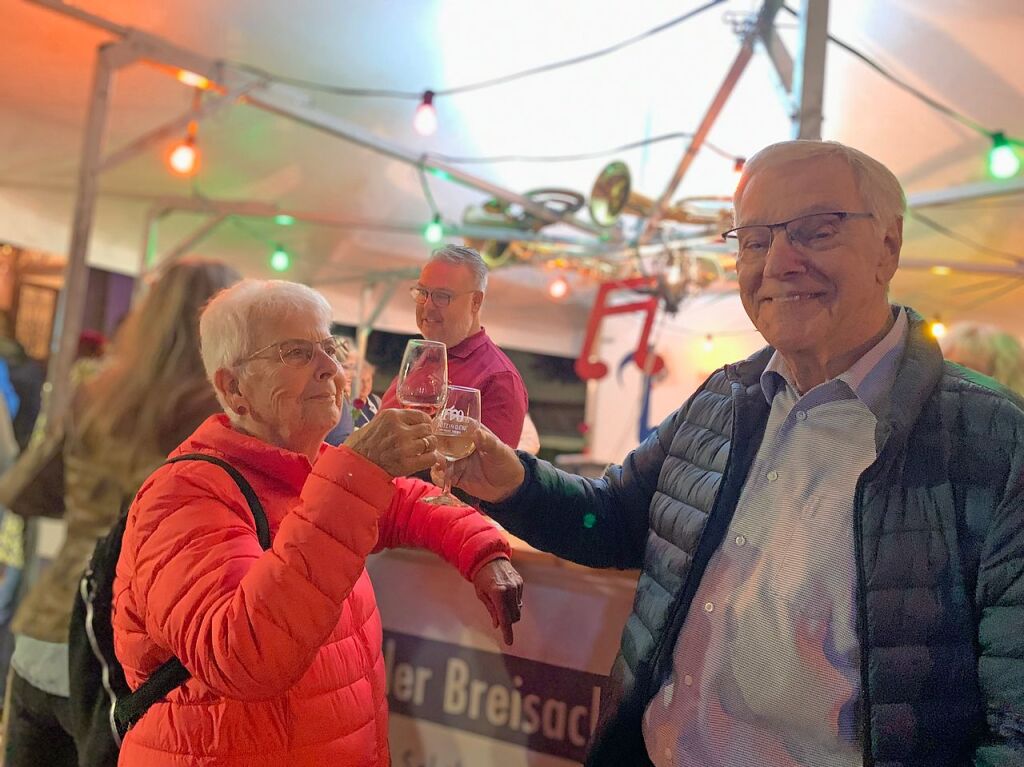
x: 454, y: 426
x: 451, y: 420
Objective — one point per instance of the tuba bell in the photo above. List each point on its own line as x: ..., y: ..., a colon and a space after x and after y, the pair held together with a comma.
x: 612, y: 195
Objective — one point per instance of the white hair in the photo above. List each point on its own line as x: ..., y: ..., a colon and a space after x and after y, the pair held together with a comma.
x: 879, y: 188
x: 228, y: 322
x: 463, y: 256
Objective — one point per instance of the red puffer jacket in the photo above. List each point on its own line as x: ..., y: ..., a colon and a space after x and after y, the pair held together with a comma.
x: 284, y: 646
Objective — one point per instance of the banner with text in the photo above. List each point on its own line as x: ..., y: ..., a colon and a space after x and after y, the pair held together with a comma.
x: 545, y: 708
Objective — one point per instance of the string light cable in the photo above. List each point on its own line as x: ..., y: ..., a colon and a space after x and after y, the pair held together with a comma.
x: 391, y: 93
x: 582, y: 155
x: 433, y: 232
x: 428, y: 195
x: 280, y: 259
x: 963, y: 239
x: 938, y: 106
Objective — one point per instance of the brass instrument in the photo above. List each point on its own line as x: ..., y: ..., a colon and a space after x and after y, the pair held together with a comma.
x: 612, y: 195
x: 497, y: 213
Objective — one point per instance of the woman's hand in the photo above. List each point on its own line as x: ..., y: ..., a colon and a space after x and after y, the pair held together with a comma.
x: 399, y: 441
x: 493, y: 472
x: 500, y: 588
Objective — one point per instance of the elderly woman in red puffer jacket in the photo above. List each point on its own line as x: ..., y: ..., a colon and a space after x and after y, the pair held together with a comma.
x: 284, y: 646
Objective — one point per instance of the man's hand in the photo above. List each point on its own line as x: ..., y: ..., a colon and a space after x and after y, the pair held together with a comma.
x: 500, y: 588
x: 493, y: 472
x: 399, y: 441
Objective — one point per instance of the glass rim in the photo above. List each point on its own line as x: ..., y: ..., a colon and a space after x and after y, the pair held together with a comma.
x: 425, y: 342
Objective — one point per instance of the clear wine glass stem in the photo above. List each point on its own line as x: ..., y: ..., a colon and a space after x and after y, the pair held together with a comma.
x: 447, y: 490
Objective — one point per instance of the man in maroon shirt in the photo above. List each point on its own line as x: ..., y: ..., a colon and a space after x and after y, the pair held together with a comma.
x: 448, y: 296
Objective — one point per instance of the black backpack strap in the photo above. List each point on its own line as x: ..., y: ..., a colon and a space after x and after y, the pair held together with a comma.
x: 129, y: 710
x: 262, y: 526
x: 172, y: 674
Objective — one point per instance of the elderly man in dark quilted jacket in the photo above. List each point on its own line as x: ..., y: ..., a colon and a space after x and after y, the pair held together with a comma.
x: 831, y: 532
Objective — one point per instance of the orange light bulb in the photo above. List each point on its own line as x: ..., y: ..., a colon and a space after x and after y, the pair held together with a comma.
x: 184, y: 158
x: 558, y: 288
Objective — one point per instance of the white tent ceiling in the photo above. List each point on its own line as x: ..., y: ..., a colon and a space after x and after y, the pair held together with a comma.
x: 963, y: 53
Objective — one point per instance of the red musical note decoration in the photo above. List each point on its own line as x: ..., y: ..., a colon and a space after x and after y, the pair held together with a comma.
x: 588, y: 367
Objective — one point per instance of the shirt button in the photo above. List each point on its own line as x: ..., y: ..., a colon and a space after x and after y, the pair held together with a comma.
x: 741, y: 540
x: 668, y: 754
x: 801, y: 415
x: 688, y: 680
x: 772, y: 475
x: 709, y: 607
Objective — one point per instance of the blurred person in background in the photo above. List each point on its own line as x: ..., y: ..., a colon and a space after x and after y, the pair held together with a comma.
x: 284, y: 646
x: 529, y: 441
x: 21, y: 379
x: 360, y: 372
x: 89, y: 358
x: 122, y: 423
x: 988, y: 350
x: 361, y: 404
x: 26, y: 375
x: 347, y: 420
x: 12, y: 549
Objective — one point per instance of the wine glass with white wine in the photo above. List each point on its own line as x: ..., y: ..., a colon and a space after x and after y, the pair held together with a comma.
x: 454, y: 427
x: 423, y: 376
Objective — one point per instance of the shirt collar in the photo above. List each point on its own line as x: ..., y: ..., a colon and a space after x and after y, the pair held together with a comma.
x: 468, y: 345
x: 870, y: 378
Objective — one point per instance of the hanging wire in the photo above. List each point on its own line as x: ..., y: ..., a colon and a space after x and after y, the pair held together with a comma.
x: 245, y: 227
x: 578, y: 59
x: 986, y: 283
x: 337, y: 90
x: 428, y: 195
x: 1011, y: 284
x: 1009, y: 199
x: 340, y: 90
x: 582, y: 155
x: 963, y: 239
x: 938, y: 106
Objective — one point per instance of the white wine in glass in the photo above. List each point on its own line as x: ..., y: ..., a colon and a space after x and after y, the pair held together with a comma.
x: 455, y: 426
x: 423, y: 376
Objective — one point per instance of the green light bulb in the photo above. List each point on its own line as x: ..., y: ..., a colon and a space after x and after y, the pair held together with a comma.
x: 280, y: 260
x: 434, y: 231
x: 1003, y: 162
x: 283, y: 219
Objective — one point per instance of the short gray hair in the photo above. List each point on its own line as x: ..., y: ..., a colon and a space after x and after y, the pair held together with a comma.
x: 467, y: 257
x: 227, y: 323
x: 878, y: 186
